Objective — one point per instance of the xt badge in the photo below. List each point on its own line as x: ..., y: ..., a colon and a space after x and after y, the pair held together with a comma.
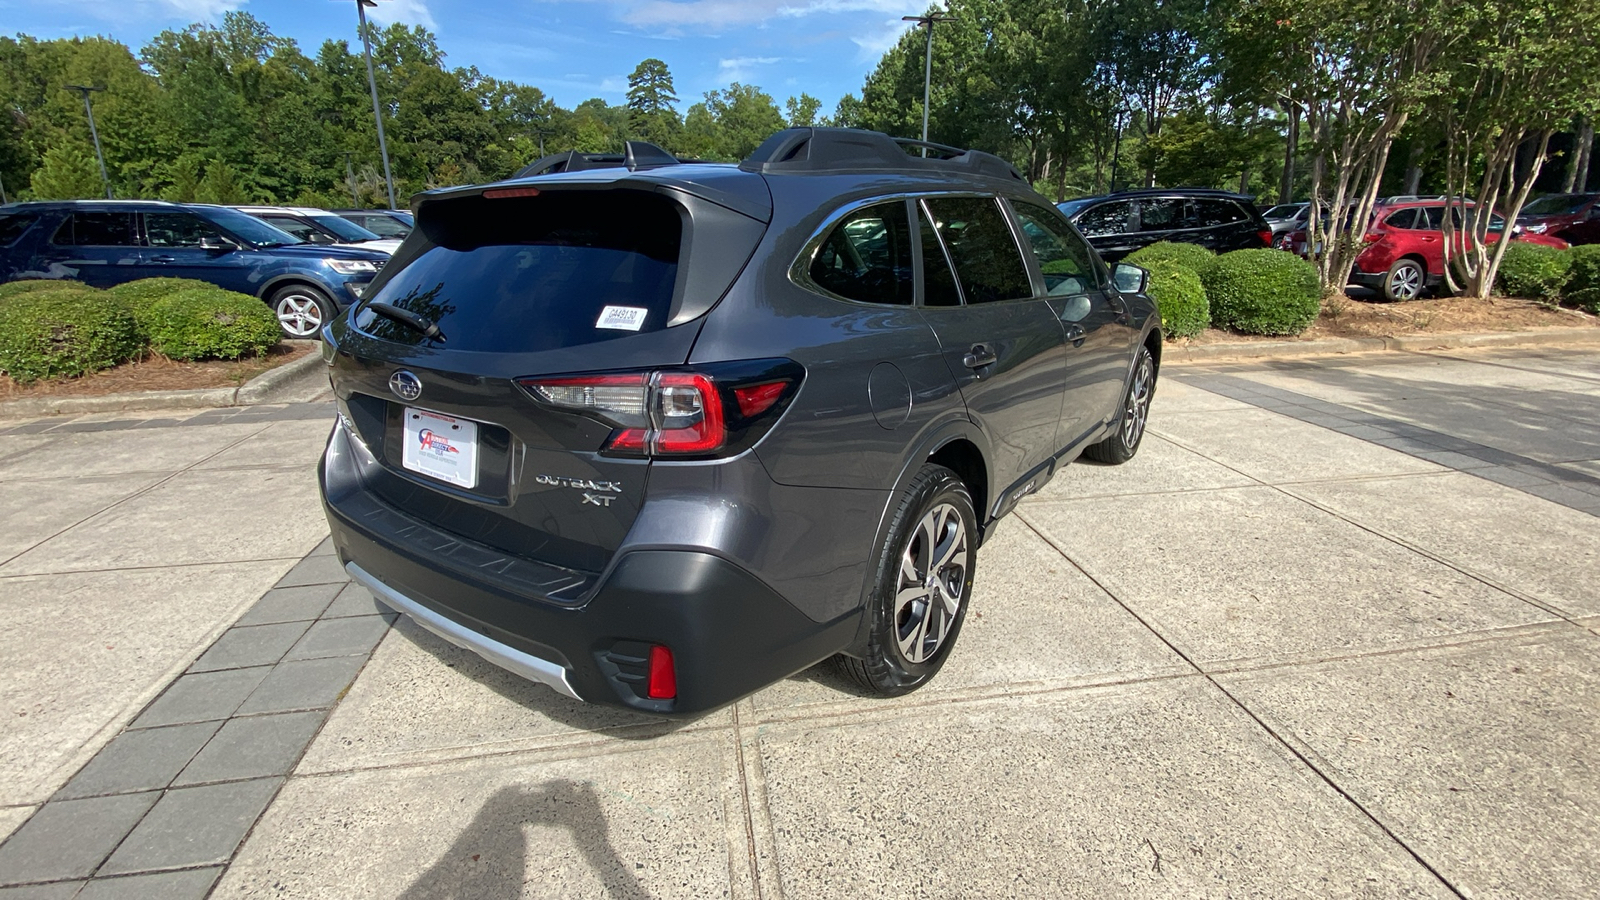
x: 597, y: 499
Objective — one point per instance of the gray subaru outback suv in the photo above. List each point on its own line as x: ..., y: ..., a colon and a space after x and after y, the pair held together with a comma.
x: 657, y: 434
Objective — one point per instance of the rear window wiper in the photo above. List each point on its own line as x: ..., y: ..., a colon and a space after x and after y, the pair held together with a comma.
x: 410, y: 319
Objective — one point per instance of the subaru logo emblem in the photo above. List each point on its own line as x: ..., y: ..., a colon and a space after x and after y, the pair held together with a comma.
x: 405, y: 385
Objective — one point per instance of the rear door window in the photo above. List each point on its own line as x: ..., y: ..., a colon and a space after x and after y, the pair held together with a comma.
x: 1405, y: 218
x: 96, y: 229
x: 528, y: 274
x: 981, y: 247
x: 1064, y: 258
x: 867, y: 256
x: 177, y: 230
x: 1164, y: 214
x: 1106, y: 219
x: 12, y: 225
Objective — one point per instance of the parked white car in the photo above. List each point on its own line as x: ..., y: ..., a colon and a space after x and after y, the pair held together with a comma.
x: 318, y: 226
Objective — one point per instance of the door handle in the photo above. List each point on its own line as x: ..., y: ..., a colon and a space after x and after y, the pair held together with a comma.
x: 163, y: 259
x: 979, y: 356
x: 1076, y: 334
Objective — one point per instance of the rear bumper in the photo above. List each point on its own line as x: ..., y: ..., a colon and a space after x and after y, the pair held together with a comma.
x: 730, y: 634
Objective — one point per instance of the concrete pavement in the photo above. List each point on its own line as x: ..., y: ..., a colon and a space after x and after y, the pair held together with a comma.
x: 1334, y: 632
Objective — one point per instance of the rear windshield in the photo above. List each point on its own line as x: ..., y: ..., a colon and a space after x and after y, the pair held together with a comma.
x: 538, y: 273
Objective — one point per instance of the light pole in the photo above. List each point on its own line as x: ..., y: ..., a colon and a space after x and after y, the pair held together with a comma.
x: 88, y: 110
x: 372, y: 81
x: 927, y: 63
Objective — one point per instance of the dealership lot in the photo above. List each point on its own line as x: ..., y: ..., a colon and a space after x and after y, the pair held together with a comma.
x: 1335, y: 631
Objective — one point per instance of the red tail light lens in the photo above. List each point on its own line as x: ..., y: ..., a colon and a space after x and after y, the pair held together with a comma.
x: 717, y: 411
x: 662, y: 683
x: 1266, y: 237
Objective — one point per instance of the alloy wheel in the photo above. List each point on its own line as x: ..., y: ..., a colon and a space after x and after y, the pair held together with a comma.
x: 299, y: 314
x: 933, y: 576
x: 1138, y: 411
x: 1405, y: 283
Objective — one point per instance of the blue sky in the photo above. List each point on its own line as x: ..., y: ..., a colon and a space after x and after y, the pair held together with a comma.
x: 571, y: 49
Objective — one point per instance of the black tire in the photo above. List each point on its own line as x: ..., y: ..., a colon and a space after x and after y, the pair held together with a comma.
x: 1406, y: 280
x: 301, y: 311
x: 1129, y: 431
x: 887, y: 668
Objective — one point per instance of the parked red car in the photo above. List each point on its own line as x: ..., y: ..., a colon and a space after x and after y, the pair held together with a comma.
x: 1404, y: 256
x: 1574, y: 218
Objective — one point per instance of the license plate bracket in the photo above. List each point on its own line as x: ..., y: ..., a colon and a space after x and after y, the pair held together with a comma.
x: 440, y: 446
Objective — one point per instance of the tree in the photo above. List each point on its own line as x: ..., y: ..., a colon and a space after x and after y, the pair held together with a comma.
x: 651, y: 102
x: 1525, y: 70
x: 68, y: 173
x: 744, y: 116
x: 221, y: 185
x: 801, y: 112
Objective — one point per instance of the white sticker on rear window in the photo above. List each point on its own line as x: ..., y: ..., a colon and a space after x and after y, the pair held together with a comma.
x: 622, y: 318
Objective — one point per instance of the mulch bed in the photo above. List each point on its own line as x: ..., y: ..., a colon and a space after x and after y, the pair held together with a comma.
x: 157, y: 373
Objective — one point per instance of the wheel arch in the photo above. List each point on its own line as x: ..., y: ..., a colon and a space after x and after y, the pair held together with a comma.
x: 293, y: 279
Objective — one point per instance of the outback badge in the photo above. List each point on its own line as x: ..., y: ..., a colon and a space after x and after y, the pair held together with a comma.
x: 405, y: 385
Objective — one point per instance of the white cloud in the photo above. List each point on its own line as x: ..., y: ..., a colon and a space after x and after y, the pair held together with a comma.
x: 714, y: 15
x: 874, y: 44
x: 409, y: 12
x: 202, y: 10
x: 742, y: 67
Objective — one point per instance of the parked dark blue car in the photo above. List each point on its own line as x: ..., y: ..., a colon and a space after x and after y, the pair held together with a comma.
x: 107, y: 242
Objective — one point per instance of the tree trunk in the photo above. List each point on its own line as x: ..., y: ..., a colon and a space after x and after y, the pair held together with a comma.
x: 1585, y: 153
x: 1286, y: 186
x: 1414, y: 168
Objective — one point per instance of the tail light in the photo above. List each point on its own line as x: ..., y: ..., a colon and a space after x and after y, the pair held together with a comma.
x: 1266, y: 237
x: 714, y: 410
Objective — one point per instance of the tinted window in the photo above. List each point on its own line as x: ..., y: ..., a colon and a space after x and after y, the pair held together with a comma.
x: 383, y: 226
x: 1063, y: 256
x: 1431, y: 218
x: 345, y: 229
x: 1164, y: 214
x: 12, y: 225
x: 529, y: 274
x: 938, y: 282
x: 1107, y: 218
x: 302, y: 230
x: 177, y: 230
x: 1405, y: 218
x: 245, y: 226
x: 867, y: 256
x: 1556, y: 205
x: 1218, y: 212
x: 985, y: 256
x: 97, y: 229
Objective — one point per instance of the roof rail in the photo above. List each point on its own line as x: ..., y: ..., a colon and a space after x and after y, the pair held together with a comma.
x: 636, y: 155
x: 826, y: 150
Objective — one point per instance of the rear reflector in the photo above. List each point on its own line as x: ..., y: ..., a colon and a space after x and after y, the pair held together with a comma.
x: 663, y: 680
x: 503, y: 193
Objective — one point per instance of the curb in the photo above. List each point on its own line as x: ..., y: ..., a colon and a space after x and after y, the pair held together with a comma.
x: 260, y: 389
x: 1263, y: 350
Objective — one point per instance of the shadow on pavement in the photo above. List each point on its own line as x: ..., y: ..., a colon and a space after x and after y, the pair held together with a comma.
x: 488, y: 861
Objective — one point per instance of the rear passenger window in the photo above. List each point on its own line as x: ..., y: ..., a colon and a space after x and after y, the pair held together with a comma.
x: 867, y: 256
x: 560, y: 269
x: 96, y: 229
x: 1218, y: 212
x: 1107, y: 218
x: 1405, y: 218
x: 981, y: 247
x: 1063, y: 257
x: 1163, y: 214
x: 12, y: 226
x: 938, y: 281
x: 177, y: 230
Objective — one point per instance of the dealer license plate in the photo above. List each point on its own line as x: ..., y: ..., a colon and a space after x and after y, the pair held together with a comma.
x: 441, y: 447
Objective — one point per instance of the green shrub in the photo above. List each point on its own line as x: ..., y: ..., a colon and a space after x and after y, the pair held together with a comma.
x: 140, y: 296
x: 1583, y: 278
x: 62, y: 333
x: 1262, y: 292
x: 1193, y: 257
x: 1533, y: 271
x: 211, y: 323
x: 1185, y: 311
x: 36, y: 285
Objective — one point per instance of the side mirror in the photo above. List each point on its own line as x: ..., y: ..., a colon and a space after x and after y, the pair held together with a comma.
x: 215, y: 243
x: 1130, y: 279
